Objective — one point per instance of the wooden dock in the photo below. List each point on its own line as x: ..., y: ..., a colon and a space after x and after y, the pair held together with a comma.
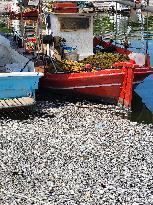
x: 16, y: 102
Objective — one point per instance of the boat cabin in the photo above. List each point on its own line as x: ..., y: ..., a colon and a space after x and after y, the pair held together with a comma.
x: 77, y: 31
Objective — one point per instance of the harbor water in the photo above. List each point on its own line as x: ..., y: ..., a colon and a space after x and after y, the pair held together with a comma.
x: 140, y: 37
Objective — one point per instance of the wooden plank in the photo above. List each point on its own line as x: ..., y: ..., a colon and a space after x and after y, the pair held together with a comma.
x: 22, y: 101
x: 9, y: 102
x: 1, y: 105
x: 28, y: 100
x: 4, y: 103
x: 17, y: 102
x: 12, y: 102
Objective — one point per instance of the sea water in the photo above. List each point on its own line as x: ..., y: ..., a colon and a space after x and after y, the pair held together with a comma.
x: 116, y: 27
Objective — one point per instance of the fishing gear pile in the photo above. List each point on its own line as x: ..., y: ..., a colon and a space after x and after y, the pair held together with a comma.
x: 104, y: 60
x: 93, y: 63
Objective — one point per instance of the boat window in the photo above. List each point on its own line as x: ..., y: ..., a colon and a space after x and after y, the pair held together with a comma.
x: 71, y: 23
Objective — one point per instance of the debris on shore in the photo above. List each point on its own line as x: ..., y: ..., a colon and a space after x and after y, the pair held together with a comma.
x: 75, y: 154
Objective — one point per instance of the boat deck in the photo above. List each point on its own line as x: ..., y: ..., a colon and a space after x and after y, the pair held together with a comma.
x: 16, y: 102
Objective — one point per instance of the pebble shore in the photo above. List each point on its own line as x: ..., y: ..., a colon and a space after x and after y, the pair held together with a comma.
x: 75, y: 154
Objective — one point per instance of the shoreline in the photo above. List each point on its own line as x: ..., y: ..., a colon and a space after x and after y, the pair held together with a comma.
x: 75, y: 154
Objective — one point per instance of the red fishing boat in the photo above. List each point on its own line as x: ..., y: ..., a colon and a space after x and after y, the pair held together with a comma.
x: 115, y: 84
x: 112, y: 85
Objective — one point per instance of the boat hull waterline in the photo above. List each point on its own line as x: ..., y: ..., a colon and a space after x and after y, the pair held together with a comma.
x: 105, y: 84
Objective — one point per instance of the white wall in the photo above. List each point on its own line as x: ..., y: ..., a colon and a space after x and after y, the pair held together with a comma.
x: 82, y: 38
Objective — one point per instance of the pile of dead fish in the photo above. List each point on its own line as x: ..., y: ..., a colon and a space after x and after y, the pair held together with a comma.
x: 75, y: 154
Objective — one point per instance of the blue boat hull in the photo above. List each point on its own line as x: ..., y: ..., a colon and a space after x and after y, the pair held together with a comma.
x: 17, y: 85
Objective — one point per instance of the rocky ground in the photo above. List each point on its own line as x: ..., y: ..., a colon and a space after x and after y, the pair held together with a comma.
x: 75, y: 154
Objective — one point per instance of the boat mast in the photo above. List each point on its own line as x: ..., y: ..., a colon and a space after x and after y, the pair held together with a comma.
x: 116, y: 25
x: 39, y: 27
x: 21, y: 12
x: 147, y: 30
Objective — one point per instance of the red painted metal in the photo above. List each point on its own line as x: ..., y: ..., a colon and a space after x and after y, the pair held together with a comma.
x: 118, y: 49
x: 138, y: 1
x: 125, y: 97
x: 65, y: 7
x: 32, y: 13
x: 31, y: 39
x: 26, y: 14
